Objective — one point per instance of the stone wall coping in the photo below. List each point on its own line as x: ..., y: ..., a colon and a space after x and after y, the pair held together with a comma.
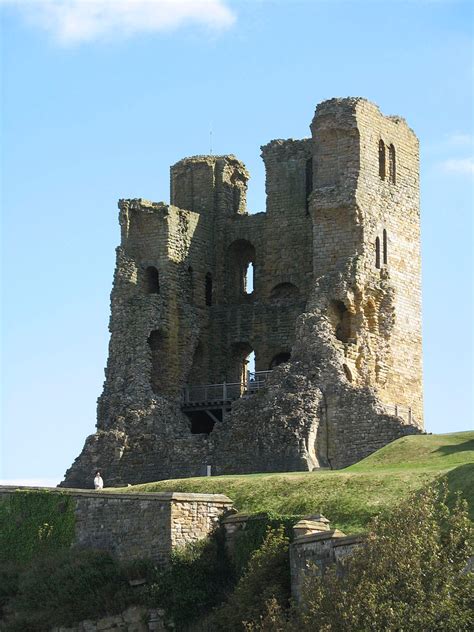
x: 220, y: 499
x: 350, y: 539
x: 318, y: 536
x: 237, y: 517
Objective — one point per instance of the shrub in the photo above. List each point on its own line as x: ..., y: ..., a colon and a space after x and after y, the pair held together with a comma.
x: 197, y: 579
x: 267, y: 577
x: 66, y: 587
x: 9, y: 577
x: 409, y: 576
x: 251, y: 538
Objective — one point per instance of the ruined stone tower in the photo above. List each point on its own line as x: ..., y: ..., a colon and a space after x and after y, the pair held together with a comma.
x: 334, y: 314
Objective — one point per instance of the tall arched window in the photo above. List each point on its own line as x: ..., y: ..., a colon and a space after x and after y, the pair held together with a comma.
x: 377, y: 252
x: 248, y: 279
x: 392, y: 165
x: 208, y: 289
x: 152, y: 280
x: 382, y: 160
x: 241, y: 268
x: 385, y: 248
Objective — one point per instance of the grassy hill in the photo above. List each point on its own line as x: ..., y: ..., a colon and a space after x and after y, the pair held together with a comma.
x: 349, y: 497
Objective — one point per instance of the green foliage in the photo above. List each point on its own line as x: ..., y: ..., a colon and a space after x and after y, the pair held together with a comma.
x: 197, y: 579
x: 33, y: 523
x: 249, y: 539
x: 267, y: 577
x: 9, y: 577
x: 408, y: 577
x: 66, y: 587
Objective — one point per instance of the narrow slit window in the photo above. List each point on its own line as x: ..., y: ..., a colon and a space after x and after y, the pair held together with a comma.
x: 382, y: 160
x: 385, y: 248
x: 392, y: 164
x: 309, y: 181
x: 208, y: 289
x: 377, y: 252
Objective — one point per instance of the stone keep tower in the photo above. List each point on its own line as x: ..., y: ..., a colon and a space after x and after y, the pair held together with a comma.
x: 334, y: 314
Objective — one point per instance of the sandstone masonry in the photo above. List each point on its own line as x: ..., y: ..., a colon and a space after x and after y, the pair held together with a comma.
x: 142, y: 525
x: 334, y: 311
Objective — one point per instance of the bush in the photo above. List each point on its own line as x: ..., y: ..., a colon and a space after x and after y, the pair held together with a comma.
x: 409, y: 576
x: 198, y: 578
x: 9, y: 578
x: 251, y: 538
x: 64, y: 588
x: 267, y: 577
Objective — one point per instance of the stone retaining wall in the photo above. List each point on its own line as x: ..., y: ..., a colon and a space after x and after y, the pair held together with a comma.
x: 312, y: 554
x: 141, y: 525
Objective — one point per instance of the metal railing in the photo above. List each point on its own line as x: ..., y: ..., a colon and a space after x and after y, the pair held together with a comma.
x: 225, y: 392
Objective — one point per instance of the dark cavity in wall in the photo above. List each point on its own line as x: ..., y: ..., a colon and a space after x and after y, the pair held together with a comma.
x: 152, y: 280
x: 342, y: 319
x: 280, y: 358
x: 202, y: 421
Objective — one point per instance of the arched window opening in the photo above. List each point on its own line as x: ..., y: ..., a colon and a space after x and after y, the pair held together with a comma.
x: 248, y: 279
x: 377, y: 252
x: 342, y: 320
x: 382, y: 160
x: 280, y: 358
x: 156, y: 343
x: 208, y: 289
x: 347, y: 372
x: 285, y: 292
x: 385, y: 248
x: 241, y: 268
x: 392, y: 164
x: 250, y: 362
x: 241, y: 361
x: 152, y: 280
x: 309, y: 181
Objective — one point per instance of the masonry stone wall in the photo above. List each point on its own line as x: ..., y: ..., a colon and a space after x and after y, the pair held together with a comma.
x: 335, y: 310
x: 315, y: 548
x: 142, y: 525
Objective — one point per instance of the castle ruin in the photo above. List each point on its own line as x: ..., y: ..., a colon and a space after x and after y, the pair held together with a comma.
x: 332, y: 314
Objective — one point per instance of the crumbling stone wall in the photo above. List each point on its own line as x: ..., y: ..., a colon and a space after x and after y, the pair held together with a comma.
x: 336, y: 261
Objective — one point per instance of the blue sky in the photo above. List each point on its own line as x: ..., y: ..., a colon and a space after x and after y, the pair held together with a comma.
x: 100, y: 98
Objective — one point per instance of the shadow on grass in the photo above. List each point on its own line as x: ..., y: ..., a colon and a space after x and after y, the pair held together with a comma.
x: 460, y: 447
x: 461, y: 479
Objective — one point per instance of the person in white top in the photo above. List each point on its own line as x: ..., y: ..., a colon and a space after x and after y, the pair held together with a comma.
x: 98, y: 482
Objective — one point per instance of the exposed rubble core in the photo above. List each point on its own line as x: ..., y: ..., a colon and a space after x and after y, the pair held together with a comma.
x: 333, y: 312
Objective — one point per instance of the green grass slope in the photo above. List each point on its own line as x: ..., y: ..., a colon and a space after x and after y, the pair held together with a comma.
x: 349, y: 497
